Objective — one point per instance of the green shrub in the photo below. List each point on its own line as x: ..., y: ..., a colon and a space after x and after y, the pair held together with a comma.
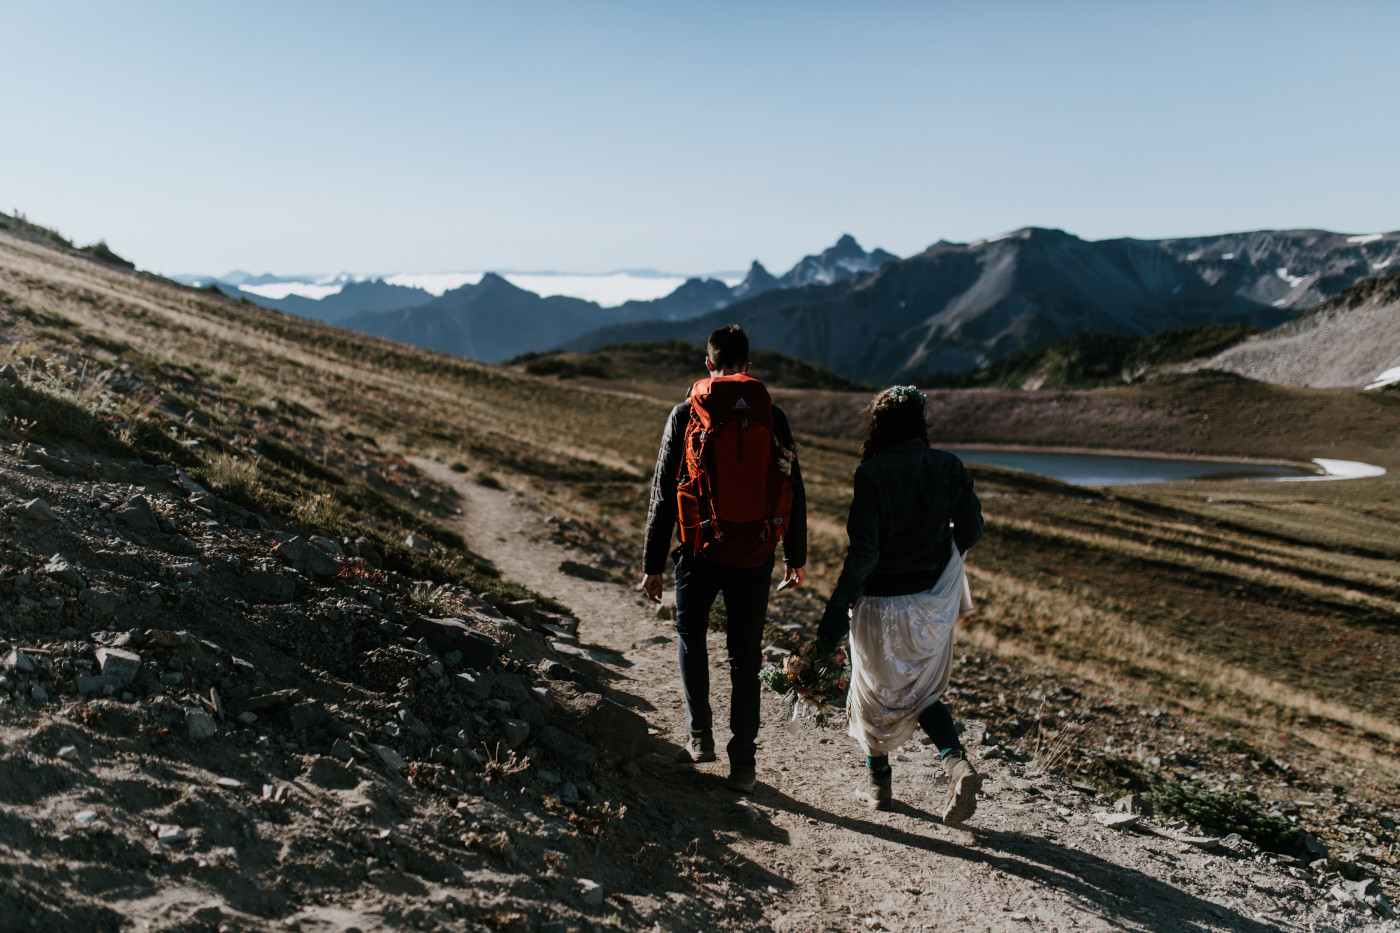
x: 1224, y: 813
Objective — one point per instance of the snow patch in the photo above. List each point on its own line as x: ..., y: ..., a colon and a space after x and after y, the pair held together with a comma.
x: 1227, y: 255
x: 1365, y: 238
x: 1389, y: 377
x: 1383, y: 263
x: 1336, y: 469
x: 1293, y: 280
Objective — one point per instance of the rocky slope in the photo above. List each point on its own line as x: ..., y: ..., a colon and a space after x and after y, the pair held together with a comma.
x: 958, y: 306
x: 1351, y: 340
x: 199, y: 658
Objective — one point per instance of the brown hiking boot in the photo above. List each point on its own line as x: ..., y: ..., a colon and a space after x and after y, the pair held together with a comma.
x: 963, y: 784
x: 742, y: 778
x: 877, y: 792
x: 698, y: 749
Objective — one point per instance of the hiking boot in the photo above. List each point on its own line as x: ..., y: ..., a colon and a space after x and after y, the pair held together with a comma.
x: 742, y: 778
x: 877, y: 792
x: 963, y: 784
x: 699, y: 748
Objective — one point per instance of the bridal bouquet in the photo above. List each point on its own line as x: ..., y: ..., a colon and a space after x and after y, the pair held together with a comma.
x: 813, y: 680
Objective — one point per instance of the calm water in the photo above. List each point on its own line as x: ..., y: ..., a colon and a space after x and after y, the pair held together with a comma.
x: 1109, y: 470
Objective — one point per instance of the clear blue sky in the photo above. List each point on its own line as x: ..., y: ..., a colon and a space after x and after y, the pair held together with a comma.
x: 300, y: 137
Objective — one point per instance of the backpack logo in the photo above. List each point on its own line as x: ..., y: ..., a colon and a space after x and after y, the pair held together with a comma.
x: 740, y: 404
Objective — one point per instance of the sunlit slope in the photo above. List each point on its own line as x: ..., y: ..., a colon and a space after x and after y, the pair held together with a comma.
x: 1272, y: 603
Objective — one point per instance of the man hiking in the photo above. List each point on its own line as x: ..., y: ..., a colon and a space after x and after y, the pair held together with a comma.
x: 727, y: 474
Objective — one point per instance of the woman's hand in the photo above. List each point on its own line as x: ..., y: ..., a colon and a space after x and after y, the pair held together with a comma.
x: 792, y: 577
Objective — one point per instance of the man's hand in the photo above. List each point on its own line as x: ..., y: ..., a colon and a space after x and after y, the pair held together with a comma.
x: 651, y: 586
x: 793, y: 577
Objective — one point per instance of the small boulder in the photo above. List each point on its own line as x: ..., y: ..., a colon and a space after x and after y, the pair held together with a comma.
x: 200, y: 724
x: 418, y: 542
x: 119, y: 665
x: 368, y: 553
x: 326, y: 544
x: 58, y: 568
x: 138, y: 516
x: 1133, y: 803
x: 188, y: 484
x: 268, y: 587
x: 567, y: 749
x: 37, y: 510
x: 475, y: 684
x: 87, y: 684
x: 515, y: 732
x: 300, y: 553
x: 1120, y: 821
x: 590, y: 892
x: 329, y: 773
x: 17, y: 660
x: 477, y: 649
x: 308, y: 715
x: 390, y: 758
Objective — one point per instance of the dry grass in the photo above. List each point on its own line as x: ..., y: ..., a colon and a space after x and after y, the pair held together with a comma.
x: 1272, y: 604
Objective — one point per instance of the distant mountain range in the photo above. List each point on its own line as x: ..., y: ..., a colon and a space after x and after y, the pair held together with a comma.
x: 494, y: 319
x: 959, y: 306
x: 872, y: 317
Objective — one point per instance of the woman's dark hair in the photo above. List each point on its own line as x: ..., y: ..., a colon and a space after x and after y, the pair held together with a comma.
x: 896, y: 414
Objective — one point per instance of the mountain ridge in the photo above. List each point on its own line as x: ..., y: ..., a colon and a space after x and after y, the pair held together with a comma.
x: 955, y: 307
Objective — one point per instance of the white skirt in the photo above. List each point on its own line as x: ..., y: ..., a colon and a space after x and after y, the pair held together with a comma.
x: 901, y: 657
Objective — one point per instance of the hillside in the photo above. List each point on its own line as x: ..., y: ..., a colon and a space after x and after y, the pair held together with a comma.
x: 674, y: 362
x: 1089, y: 359
x: 958, y: 306
x: 196, y: 492
x: 1350, y: 340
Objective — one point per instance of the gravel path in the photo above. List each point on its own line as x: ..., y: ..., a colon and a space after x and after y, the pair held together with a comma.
x: 1035, y: 856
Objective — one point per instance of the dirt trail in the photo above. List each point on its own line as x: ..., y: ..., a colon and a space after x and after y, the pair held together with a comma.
x: 1034, y: 856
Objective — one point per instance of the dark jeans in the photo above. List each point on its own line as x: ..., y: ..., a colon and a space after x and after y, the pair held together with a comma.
x: 745, y: 589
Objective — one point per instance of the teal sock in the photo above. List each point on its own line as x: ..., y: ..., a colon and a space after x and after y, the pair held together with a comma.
x: 877, y: 762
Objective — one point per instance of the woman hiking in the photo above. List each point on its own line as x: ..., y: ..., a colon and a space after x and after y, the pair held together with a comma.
x: 913, y: 514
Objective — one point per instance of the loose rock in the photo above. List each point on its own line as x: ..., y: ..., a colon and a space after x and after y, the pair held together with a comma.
x: 200, y: 724
x: 118, y: 665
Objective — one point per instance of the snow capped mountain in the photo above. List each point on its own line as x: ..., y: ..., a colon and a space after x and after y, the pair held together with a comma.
x: 958, y: 306
x: 835, y: 264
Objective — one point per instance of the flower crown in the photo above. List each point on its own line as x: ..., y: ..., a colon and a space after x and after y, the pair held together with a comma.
x: 908, y: 392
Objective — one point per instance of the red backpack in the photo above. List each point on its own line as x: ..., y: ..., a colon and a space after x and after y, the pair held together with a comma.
x: 733, y: 493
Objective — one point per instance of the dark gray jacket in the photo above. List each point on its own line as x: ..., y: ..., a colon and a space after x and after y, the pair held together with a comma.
x: 661, y: 515
x: 905, y: 496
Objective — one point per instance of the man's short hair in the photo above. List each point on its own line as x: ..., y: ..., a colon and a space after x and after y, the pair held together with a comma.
x: 728, y: 347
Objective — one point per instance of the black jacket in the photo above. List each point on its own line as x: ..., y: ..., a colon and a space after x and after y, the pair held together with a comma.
x: 905, y: 497
x: 661, y: 515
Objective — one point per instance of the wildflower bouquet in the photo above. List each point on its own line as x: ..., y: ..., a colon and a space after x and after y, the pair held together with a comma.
x: 813, y: 680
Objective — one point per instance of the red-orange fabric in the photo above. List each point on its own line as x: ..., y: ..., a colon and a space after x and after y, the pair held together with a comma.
x: 734, y: 500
